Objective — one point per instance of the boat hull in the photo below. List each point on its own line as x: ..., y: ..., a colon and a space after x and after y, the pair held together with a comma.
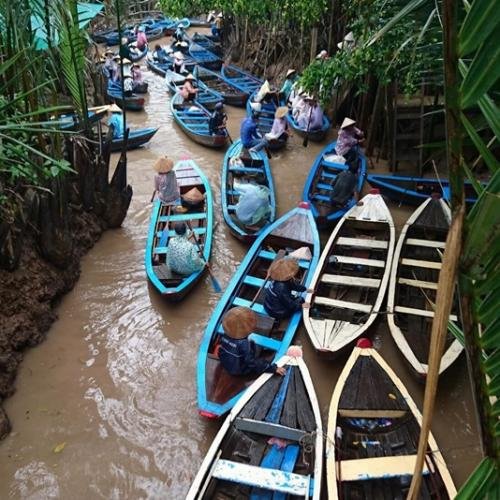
x: 136, y: 139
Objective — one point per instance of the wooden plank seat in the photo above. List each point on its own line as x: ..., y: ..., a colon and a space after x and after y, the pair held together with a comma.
x: 269, y: 429
x: 425, y: 243
x: 358, y: 261
x: 428, y: 264
x: 246, y: 170
x: 420, y: 312
x: 362, y: 242
x: 253, y: 281
x: 321, y: 197
x: 322, y: 185
x: 331, y: 164
x: 418, y: 283
x: 265, y: 342
x: 182, y: 217
x: 197, y: 231
x: 338, y: 279
x: 164, y: 273
x: 328, y: 175
x: 238, y: 301
x: 266, y: 254
x: 343, y: 304
x: 360, y: 413
x: 269, y: 479
x: 363, y: 469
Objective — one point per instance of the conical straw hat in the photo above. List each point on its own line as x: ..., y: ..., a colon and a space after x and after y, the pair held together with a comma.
x: 347, y: 122
x: 190, y: 77
x: 239, y: 322
x: 163, y: 165
x: 283, y: 269
x: 113, y: 108
x: 193, y: 195
x: 178, y: 55
x: 290, y: 72
x: 302, y: 253
x: 281, y: 112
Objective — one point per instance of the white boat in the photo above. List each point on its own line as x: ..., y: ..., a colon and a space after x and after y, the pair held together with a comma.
x: 351, y: 278
x: 413, y: 285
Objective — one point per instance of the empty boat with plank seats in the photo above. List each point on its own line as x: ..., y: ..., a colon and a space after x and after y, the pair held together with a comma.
x: 241, y: 79
x: 199, y: 217
x: 232, y: 95
x: 373, y: 432
x: 318, y: 186
x: 193, y: 118
x: 270, y: 445
x: 203, y: 56
x: 413, y: 286
x: 352, y: 276
x: 205, y: 96
x: 218, y: 391
x: 241, y: 167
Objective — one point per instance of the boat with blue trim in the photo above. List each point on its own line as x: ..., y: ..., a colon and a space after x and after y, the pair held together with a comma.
x: 231, y: 94
x: 205, y: 96
x: 133, y: 102
x: 204, y: 57
x: 240, y: 78
x: 250, y: 168
x: 171, y: 285
x: 218, y: 391
x: 316, y: 135
x: 136, y: 139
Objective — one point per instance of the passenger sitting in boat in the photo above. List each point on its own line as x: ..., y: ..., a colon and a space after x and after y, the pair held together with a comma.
x: 179, y: 34
x: 286, y: 88
x: 178, y: 65
x: 349, y: 138
x: 116, y: 69
x: 124, y: 51
x: 218, y: 120
x: 237, y: 353
x: 183, y: 256
x: 280, y: 130
x: 250, y: 137
x: 188, y: 91
x: 166, y: 187
x: 116, y: 121
x: 159, y: 54
x: 344, y: 186
x: 253, y: 207
x: 137, y: 74
x: 142, y: 40
x: 311, y: 117
x: 279, y: 302
x: 298, y: 104
x: 128, y: 82
x: 108, y: 67
x: 216, y: 27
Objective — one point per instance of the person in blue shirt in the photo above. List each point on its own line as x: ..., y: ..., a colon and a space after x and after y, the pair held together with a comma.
x: 116, y: 121
x: 237, y: 353
x: 250, y: 137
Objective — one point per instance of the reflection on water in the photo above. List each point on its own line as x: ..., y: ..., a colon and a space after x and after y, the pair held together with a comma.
x: 115, y: 380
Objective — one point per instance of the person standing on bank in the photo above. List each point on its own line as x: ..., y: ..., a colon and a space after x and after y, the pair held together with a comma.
x: 237, y: 353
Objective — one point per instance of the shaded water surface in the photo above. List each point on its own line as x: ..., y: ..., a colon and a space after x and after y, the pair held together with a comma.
x: 113, y: 386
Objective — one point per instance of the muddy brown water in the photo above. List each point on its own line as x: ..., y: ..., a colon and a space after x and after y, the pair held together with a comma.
x: 113, y: 386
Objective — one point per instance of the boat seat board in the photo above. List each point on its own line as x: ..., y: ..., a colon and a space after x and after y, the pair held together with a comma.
x: 364, y: 469
x: 425, y: 243
x: 171, y: 232
x: 238, y: 301
x: 345, y: 259
x: 182, y: 217
x: 355, y: 413
x: 269, y: 479
x: 421, y: 263
x: 362, y: 242
x: 265, y: 342
x: 344, y: 304
x: 266, y: 254
x: 253, y: 281
x: 418, y: 283
x: 248, y: 170
x: 419, y: 312
x: 338, y: 279
x: 269, y: 429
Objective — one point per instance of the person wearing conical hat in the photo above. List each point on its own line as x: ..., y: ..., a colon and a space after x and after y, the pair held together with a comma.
x: 165, y: 182
x: 142, y: 40
x: 108, y: 68
x: 188, y: 91
x: 218, y: 120
x: 116, y: 121
x: 286, y: 89
x: 237, y: 353
x: 282, y: 297
x: 179, y: 34
x: 178, y: 65
x: 183, y: 256
x: 280, y: 129
x: 348, y: 139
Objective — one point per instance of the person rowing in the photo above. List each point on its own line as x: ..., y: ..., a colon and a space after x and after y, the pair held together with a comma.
x: 188, y: 91
x: 178, y: 64
x: 280, y: 130
x: 116, y: 121
x: 218, y: 121
x: 348, y: 140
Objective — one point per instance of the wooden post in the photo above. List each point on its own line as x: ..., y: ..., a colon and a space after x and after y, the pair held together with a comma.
x: 372, y: 130
x: 314, y: 43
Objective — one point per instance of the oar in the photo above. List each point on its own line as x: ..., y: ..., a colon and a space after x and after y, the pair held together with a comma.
x: 228, y: 136
x: 164, y: 234
x: 279, y: 255
x: 213, y: 279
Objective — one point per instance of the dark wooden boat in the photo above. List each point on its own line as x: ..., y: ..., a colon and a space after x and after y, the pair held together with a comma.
x: 217, y: 390
x: 171, y: 285
x: 413, y: 286
x: 241, y: 79
x: 255, y: 169
x: 136, y: 139
x: 206, y: 97
x: 193, y: 119
x: 271, y: 442
x: 352, y: 276
x: 265, y: 121
x: 203, y: 56
x: 373, y: 432
x: 101, y: 36
x: 414, y: 190
x: 232, y: 95
x: 207, y: 43
x: 132, y: 103
x: 318, y: 186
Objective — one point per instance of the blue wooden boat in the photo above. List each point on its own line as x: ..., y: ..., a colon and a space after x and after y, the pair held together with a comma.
x: 414, y: 190
x: 215, y: 81
x: 217, y: 390
x: 160, y: 68
x: 265, y: 120
x: 207, y: 43
x: 132, y: 103
x: 113, y: 38
x: 318, y: 187
x: 271, y: 444
x: 136, y: 139
x: 204, y: 57
x: 193, y: 119
x: 255, y: 169
x: 206, y: 97
x: 241, y: 79
x: 185, y: 22
x: 316, y: 135
x: 137, y: 57
x: 171, y: 285
x: 70, y: 121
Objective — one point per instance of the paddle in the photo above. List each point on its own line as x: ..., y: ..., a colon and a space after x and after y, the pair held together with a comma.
x: 279, y: 255
x: 228, y: 136
x: 164, y: 234
x: 213, y: 279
